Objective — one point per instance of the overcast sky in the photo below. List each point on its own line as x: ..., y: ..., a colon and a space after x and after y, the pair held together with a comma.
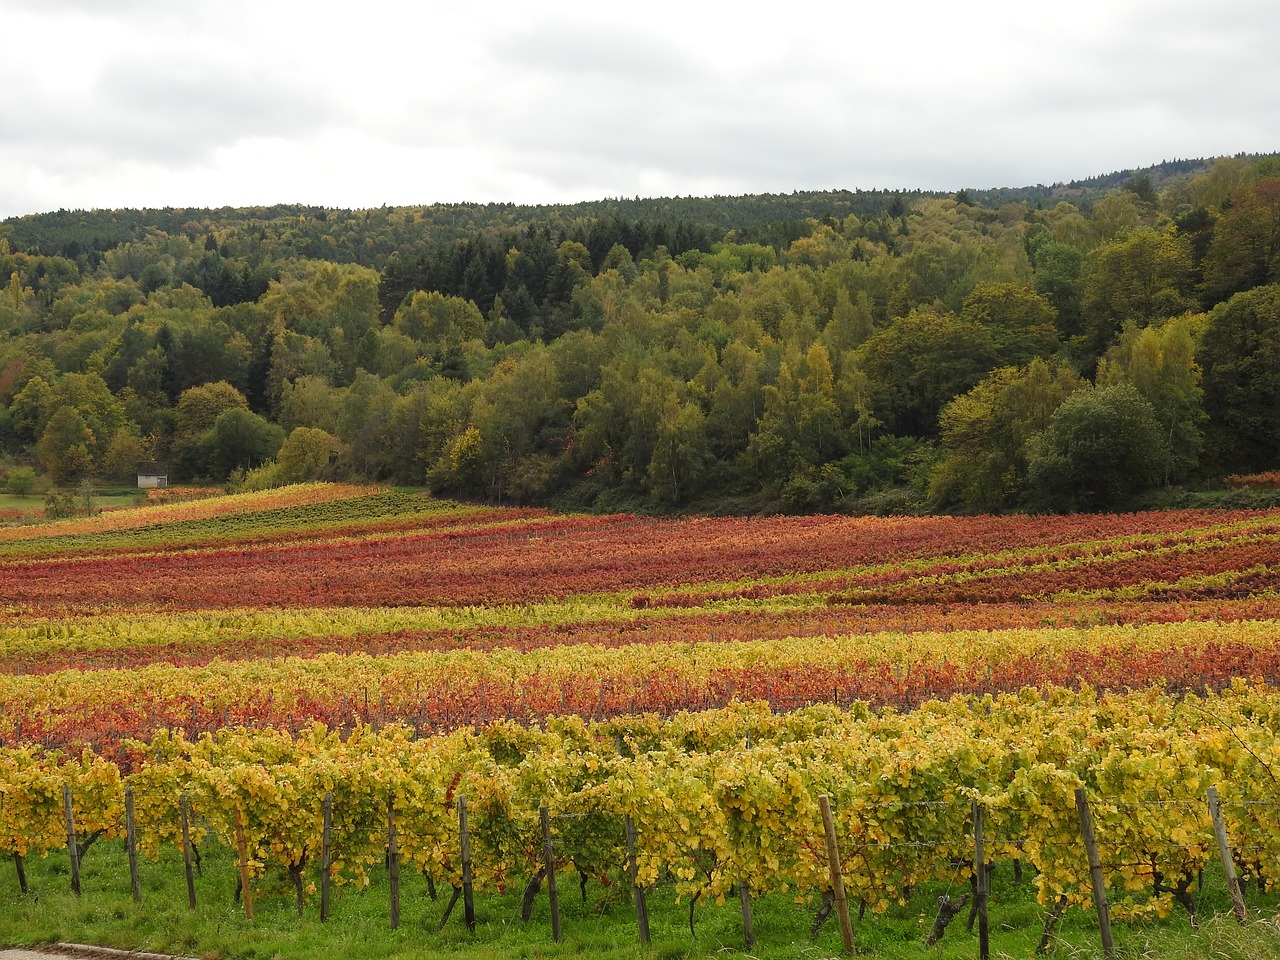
x: 132, y: 103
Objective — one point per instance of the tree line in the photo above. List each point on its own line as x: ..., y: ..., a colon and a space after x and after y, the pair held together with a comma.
x: 868, y: 352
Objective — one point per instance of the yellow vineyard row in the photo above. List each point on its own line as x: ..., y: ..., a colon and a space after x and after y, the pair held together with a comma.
x: 719, y: 797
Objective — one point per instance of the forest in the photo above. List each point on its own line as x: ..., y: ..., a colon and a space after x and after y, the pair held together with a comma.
x: 1095, y: 345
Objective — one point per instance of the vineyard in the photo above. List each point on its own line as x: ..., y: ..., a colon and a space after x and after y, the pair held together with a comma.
x: 330, y: 682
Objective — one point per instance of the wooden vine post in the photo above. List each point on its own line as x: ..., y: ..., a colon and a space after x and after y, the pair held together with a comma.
x: 837, y: 878
x: 1095, y: 874
x: 242, y: 852
x: 393, y: 863
x: 73, y: 845
x: 549, y: 864
x: 983, y: 888
x: 633, y: 872
x: 131, y: 845
x: 184, y: 811
x: 748, y: 927
x: 326, y: 855
x: 468, y: 894
x: 1224, y: 852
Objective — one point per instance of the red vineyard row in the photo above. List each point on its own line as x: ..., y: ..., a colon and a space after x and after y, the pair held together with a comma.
x: 536, y: 560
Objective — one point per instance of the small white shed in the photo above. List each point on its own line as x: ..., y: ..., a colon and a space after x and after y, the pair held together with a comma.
x: 152, y: 475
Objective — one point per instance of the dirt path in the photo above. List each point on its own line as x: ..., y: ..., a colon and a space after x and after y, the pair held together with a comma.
x: 77, y: 951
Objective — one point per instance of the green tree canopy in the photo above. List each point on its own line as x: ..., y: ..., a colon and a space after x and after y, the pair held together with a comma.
x: 1059, y: 269
x: 1101, y: 446
x: 1019, y: 320
x: 1160, y: 361
x: 919, y: 362
x: 988, y: 433
x: 199, y: 407
x: 1240, y: 354
x: 1245, y: 250
x: 1145, y: 276
x: 241, y: 440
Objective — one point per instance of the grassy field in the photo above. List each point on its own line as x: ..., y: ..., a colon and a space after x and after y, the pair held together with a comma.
x: 31, y: 507
x: 601, y: 926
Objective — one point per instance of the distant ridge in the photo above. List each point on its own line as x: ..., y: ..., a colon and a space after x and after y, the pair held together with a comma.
x: 405, y: 229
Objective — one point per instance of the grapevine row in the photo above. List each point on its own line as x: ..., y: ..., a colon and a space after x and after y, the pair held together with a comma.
x: 717, y: 798
x: 512, y: 558
x: 436, y: 691
x: 194, y: 639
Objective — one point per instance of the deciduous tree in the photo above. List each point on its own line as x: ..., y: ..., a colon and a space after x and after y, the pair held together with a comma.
x: 1240, y: 354
x: 921, y: 361
x: 1145, y: 276
x: 1101, y: 446
x: 988, y: 432
x: 1245, y: 250
x: 1160, y: 361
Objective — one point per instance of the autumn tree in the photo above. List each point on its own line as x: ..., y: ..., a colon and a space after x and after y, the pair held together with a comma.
x: 801, y: 424
x: 194, y: 451
x: 517, y: 413
x: 309, y: 401
x: 65, y: 447
x: 199, y: 407
x: 306, y: 454
x: 71, y: 421
x: 439, y: 320
x: 123, y: 454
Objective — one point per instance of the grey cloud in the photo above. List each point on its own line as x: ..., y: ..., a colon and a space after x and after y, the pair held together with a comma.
x: 588, y: 107
x: 113, y: 10
x: 619, y: 54
x: 171, y: 115
x: 214, y: 105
